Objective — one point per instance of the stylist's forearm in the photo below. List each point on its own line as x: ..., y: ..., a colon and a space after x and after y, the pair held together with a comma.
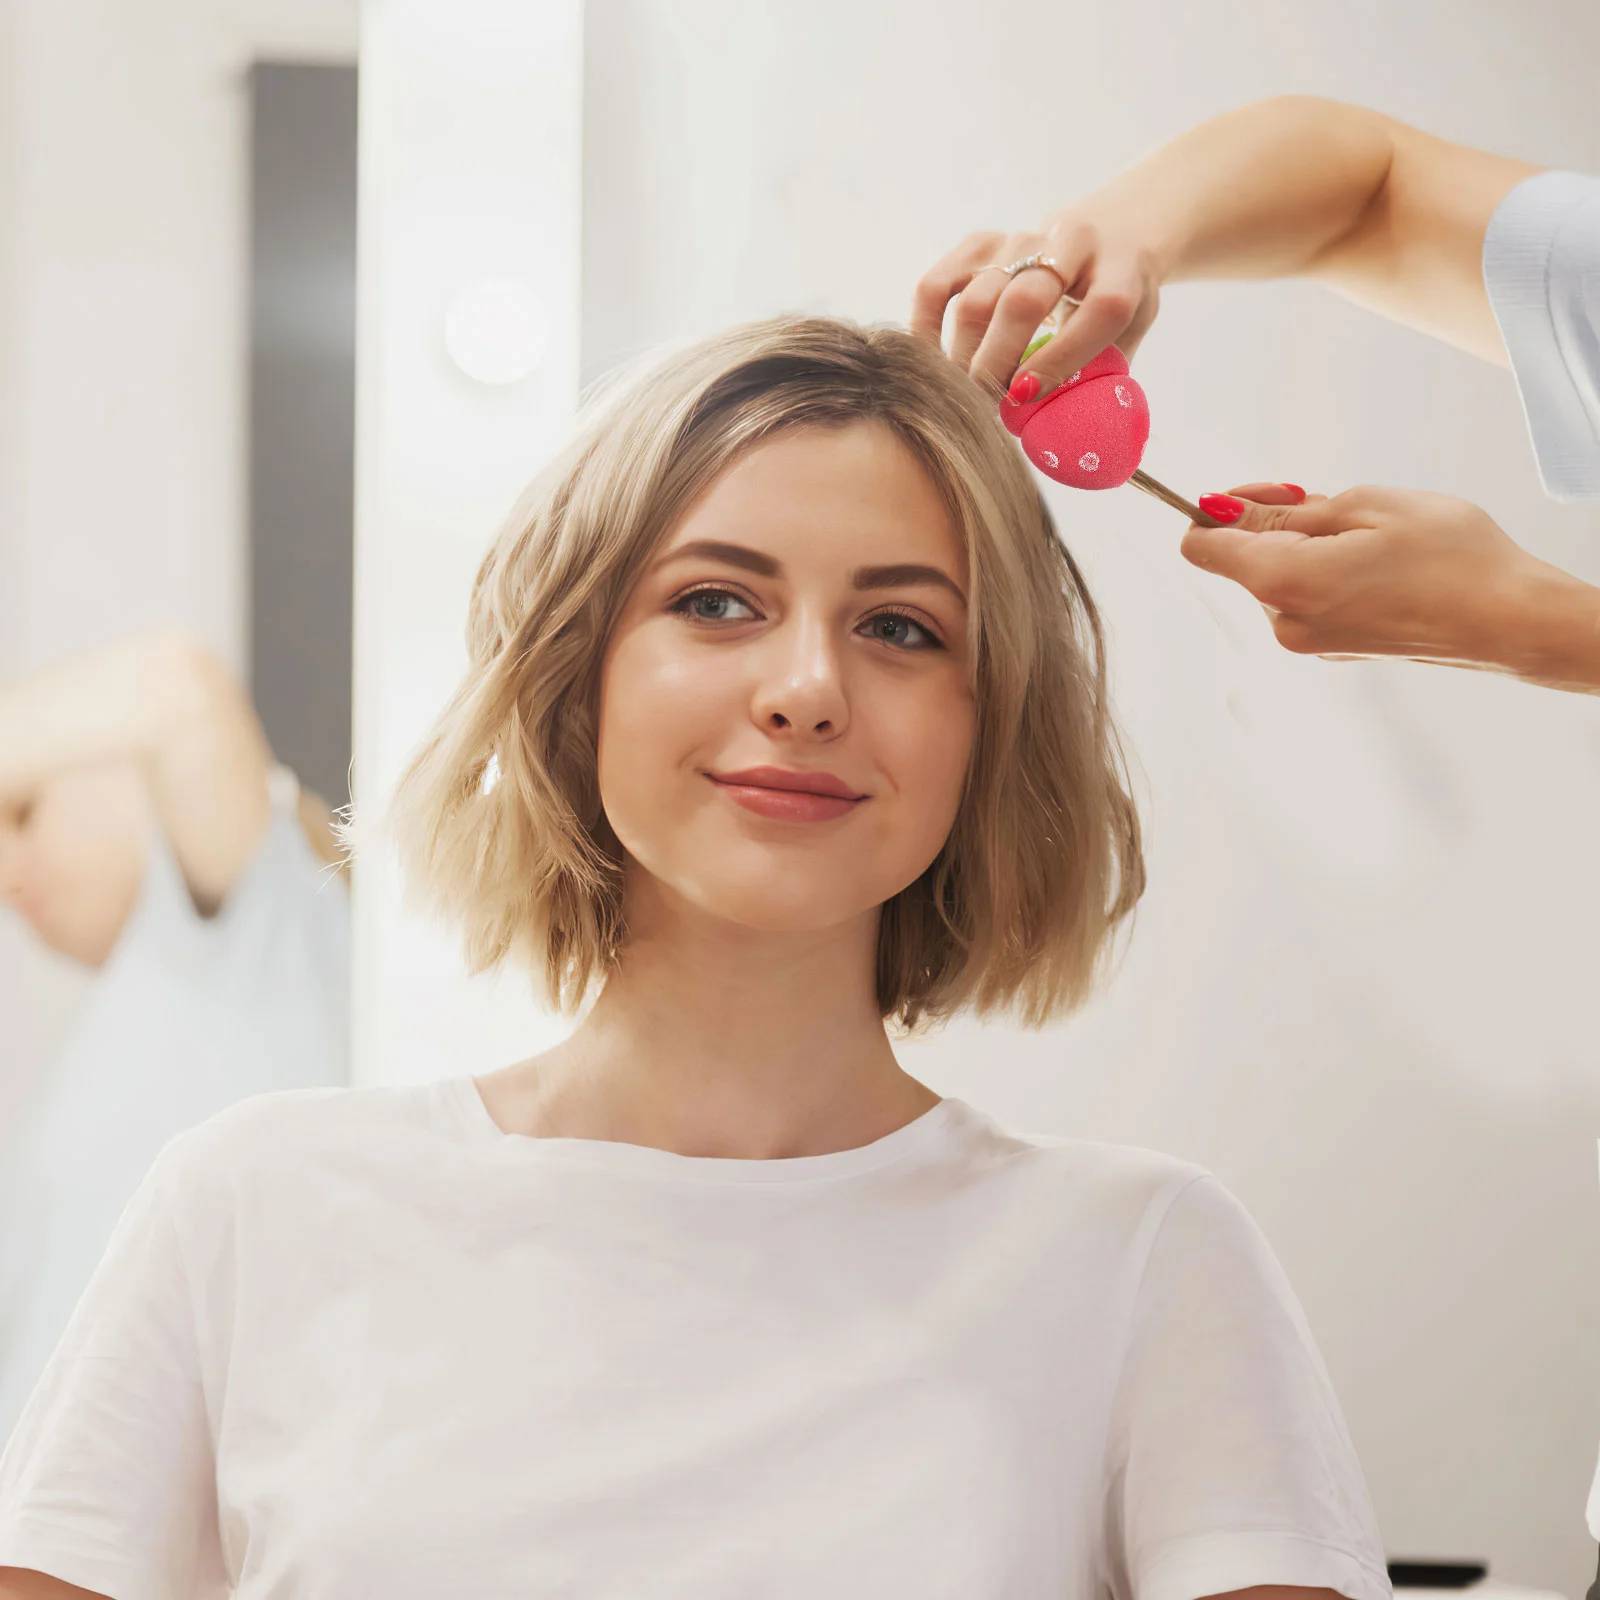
x: 1260, y: 192
x: 1385, y: 214
x: 1549, y: 632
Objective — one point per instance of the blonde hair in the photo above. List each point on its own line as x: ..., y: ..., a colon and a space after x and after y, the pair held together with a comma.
x: 499, y: 818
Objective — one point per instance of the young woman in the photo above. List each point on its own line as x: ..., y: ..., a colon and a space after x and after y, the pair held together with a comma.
x: 786, y: 716
x: 145, y: 833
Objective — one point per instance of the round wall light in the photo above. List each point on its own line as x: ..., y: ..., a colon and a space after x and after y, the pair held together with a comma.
x: 496, y: 331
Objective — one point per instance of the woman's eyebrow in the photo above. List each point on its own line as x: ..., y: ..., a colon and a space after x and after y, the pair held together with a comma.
x: 904, y: 575
x: 733, y: 555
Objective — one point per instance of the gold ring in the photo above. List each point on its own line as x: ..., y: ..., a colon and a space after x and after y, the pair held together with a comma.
x: 1038, y: 259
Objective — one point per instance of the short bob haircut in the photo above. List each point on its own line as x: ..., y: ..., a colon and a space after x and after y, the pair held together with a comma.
x: 499, y: 818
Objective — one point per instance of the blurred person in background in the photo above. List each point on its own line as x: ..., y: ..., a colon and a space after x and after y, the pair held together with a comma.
x: 146, y: 833
x: 1487, y: 253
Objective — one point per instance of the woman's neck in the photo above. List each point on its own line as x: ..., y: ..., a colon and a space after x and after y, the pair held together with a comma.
x: 713, y: 1039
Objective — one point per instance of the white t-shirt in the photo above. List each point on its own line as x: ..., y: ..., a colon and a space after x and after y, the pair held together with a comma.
x: 1541, y: 266
x: 363, y: 1343
x: 189, y: 1015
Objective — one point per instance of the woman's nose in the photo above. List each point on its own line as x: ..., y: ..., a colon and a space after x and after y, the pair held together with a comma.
x: 802, y: 687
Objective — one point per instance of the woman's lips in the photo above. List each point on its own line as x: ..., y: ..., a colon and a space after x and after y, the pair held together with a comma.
x: 788, y: 796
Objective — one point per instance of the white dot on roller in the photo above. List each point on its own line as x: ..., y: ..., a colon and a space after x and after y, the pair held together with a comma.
x: 1050, y: 458
x: 1123, y: 397
x: 1076, y: 375
x: 1089, y: 461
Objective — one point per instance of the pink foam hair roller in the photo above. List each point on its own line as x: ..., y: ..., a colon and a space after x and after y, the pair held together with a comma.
x: 1090, y: 432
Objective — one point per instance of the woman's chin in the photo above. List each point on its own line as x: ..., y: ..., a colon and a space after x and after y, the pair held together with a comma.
x: 751, y: 890
x: 800, y: 903
x: 787, y: 914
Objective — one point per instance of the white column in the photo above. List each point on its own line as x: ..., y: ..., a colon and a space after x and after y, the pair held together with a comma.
x: 467, y: 377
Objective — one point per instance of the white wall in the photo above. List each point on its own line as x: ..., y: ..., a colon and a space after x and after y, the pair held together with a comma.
x: 123, y: 334
x: 471, y: 128
x: 1361, y: 988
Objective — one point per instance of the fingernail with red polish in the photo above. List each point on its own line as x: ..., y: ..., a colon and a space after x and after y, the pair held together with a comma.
x: 1023, y: 388
x: 1221, y: 507
x: 1295, y: 490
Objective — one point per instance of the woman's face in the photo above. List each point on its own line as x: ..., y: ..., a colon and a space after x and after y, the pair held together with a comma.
x: 785, y: 717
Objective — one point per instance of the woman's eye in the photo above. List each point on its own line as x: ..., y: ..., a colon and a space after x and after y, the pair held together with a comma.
x: 905, y: 633
x: 714, y: 605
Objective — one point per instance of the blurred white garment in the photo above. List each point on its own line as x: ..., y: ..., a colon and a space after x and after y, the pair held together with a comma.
x: 366, y: 1343
x: 189, y: 1015
x: 1541, y: 266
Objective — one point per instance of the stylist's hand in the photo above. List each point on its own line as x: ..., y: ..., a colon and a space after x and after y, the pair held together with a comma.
x: 1106, y: 260
x: 1398, y: 572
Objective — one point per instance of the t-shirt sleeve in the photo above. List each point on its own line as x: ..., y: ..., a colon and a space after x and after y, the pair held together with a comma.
x: 108, y: 1481
x: 1541, y: 268
x: 1229, y: 1463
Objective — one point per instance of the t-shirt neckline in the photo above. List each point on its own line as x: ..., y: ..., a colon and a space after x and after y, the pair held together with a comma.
x: 466, y: 1101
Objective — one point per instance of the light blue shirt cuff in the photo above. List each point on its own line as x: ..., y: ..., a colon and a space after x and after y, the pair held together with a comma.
x: 1541, y: 266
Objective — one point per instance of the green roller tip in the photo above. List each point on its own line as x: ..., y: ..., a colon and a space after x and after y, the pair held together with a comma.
x: 1038, y: 344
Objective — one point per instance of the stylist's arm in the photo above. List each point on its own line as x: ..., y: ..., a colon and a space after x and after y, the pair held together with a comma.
x: 1385, y: 214
x: 1473, y: 248
x: 1399, y: 572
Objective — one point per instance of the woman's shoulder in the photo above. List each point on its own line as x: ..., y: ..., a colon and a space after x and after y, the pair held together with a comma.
x: 1105, y: 1175
x: 1141, y: 1203
x: 293, y: 1130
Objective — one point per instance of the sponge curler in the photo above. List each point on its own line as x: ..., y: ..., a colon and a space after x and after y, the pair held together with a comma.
x: 1089, y: 432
